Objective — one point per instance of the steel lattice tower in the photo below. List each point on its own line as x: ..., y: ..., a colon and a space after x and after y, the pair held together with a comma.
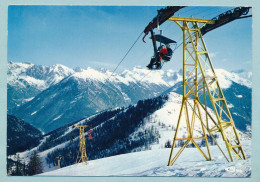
x: 82, y: 147
x: 201, y: 87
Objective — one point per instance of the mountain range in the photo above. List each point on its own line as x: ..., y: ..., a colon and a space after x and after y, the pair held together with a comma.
x: 49, y: 97
x: 56, y: 98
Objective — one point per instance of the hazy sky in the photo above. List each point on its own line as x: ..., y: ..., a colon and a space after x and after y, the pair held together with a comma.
x: 99, y: 36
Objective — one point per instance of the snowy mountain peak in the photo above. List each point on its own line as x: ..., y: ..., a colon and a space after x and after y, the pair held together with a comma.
x: 61, y: 68
x: 15, y: 69
x: 44, y: 75
x: 26, y: 80
x: 145, y: 75
x: 78, y: 69
x: 225, y: 78
x: 90, y: 74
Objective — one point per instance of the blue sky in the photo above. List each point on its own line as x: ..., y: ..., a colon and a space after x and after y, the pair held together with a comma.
x: 99, y: 36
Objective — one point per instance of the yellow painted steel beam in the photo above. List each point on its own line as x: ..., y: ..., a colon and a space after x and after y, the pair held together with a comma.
x: 196, y: 145
x: 191, y: 20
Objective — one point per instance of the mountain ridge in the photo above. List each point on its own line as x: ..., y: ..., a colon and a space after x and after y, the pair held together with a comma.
x: 83, y: 93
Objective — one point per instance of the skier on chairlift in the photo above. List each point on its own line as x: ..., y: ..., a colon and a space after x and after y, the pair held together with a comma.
x: 168, y: 56
x: 163, y: 54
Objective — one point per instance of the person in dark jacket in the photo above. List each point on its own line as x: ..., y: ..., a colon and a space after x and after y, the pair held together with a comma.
x: 163, y: 52
x: 158, y: 57
x: 168, y: 56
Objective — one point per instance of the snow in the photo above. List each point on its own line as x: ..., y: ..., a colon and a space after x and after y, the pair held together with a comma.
x: 57, y: 117
x: 91, y: 74
x: 35, y: 82
x: 165, y: 120
x: 29, y: 99
x: 230, y: 106
x: 144, y: 75
x: 159, y: 77
x: 34, y: 113
x: 154, y: 163
x: 18, y: 76
x: 126, y: 98
x: 73, y: 101
x: 225, y: 78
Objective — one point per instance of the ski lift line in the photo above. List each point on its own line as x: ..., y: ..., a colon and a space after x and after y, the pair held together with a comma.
x: 123, y: 60
x: 151, y: 70
x: 226, y: 17
x: 189, y: 10
x: 201, y: 12
x: 192, y: 9
x: 205, y: 15
x: 179, y: 44
x: 127, y: 53
x: 195, y: 15
x: 216, y: 12
x: 143, y: 78
x: 92, y: 101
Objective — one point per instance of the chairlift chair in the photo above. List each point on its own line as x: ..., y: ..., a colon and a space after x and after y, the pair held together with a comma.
x: 157, y: 64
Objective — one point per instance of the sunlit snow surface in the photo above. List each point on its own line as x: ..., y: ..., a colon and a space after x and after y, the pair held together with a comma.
x: 154, y: 163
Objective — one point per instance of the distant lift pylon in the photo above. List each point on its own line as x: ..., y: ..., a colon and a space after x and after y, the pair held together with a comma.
x: 82, y: 148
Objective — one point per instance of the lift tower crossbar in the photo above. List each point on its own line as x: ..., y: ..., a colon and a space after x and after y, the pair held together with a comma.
x: 200, y: 85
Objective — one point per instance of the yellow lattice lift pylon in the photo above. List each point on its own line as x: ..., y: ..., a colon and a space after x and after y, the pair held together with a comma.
x: 199, y: 85
x: 82, y: 147
x: 59, y: 158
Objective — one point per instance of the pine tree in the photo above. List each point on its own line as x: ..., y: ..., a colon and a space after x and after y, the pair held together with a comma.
x: 17, y: 171
x: 35, y: 165
x: 24, y: 169
x: 168, y: 144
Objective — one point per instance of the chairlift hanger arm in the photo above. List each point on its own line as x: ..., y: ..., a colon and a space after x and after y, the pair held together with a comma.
x: 163, y: 15
x: 224, y: 18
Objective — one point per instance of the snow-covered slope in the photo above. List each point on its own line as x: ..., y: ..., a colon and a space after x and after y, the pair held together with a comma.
x: 116, y: 132
x: 154, y: 163
x: 226, y: 78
